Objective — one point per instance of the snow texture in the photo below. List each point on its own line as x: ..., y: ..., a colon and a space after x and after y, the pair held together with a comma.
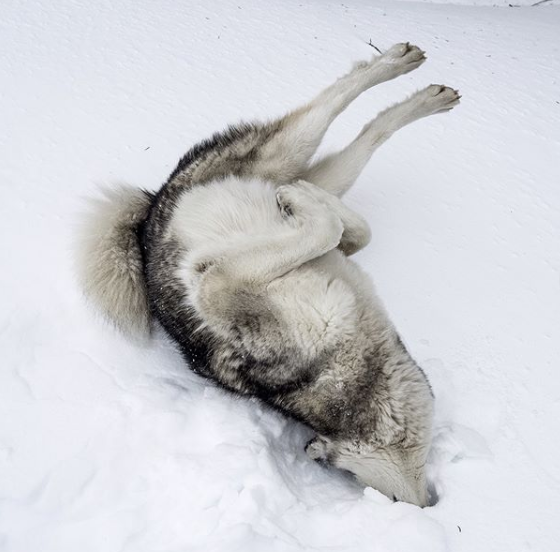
x: 110, y: 445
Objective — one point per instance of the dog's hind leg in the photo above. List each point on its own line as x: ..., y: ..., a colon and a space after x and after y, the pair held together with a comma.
x: 285, y: 156
x: 239, y: 275
x: 337, y: 172
x: 312, y: 228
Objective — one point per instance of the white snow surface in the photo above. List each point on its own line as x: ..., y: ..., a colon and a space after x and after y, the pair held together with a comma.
x: 111, y: 445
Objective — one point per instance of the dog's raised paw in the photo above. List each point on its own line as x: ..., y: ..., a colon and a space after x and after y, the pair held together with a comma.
x: 404, y: 53
x: 446, y: 97
x: 436, y: 98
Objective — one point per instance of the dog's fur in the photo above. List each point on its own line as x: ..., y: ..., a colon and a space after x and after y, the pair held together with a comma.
x: 242, y: 256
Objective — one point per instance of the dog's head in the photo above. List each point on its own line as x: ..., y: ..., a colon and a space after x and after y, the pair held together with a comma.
x: 398, y: 473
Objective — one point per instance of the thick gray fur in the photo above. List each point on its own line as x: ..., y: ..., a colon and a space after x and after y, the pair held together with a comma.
x: 242, y: 256
x: 109, y: 258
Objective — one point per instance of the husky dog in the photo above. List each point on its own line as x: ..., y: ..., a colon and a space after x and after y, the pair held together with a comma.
x: 243, y: 258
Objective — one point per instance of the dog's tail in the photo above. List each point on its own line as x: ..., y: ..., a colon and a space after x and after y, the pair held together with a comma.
x: 109, y: 257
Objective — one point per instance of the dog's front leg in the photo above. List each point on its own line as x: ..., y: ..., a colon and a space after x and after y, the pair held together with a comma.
x: 285, y: 157
x: 337, y: 172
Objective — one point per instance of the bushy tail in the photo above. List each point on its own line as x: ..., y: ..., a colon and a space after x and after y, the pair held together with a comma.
x: 110, y: 260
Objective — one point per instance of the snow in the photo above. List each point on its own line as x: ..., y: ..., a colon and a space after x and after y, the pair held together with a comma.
x: 112, y: 445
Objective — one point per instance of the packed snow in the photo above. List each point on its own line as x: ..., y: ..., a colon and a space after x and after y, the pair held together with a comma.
x: 112, y: 445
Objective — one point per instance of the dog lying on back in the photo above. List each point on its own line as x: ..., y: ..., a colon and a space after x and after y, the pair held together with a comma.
x: 243, y: 258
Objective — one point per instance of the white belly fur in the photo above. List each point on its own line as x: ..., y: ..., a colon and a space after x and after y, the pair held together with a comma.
x: 318, y: 301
